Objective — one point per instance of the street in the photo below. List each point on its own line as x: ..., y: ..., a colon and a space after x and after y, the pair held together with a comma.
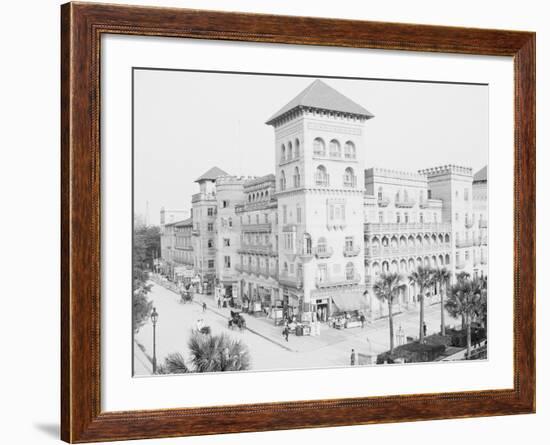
x: 268, y: 348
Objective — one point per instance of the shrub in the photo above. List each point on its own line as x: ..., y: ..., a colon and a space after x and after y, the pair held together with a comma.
x: 412, y: 353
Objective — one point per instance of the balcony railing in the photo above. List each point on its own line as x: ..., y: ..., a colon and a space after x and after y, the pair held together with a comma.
x: 405, y: 203
x: 264, y: 227
x: 383, y: 201
x: 325, y: 252
x: 425, y: 249
x: 423, y: 203
x: 261, y: 248
x: 353, y: 251
x: 327, y: 283
x: 400, y: 228
x: 464, y: 243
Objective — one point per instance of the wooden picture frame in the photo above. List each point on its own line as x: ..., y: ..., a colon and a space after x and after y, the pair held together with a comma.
x: 82, y: 26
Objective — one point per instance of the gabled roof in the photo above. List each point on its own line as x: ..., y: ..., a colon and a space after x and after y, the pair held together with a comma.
x: 481, y: 175
x: 321, y: 96
x: 211, y: 174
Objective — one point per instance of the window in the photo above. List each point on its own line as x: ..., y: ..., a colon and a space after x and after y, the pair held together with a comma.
x: 321, y: 176
x: 257, y: 218
x: 289, y: 154
x: 322, y: 273
x: 349, y: 178
x: 380, y: 217
x: 284, y: 215
x: 211, y: 264
x: 397, y: 217
x: 349, y: 150
x: 227, y: 262
x: 334, y: 149
x: 296, y: 148
x: 283, y: 153
x: 282, y: 181
x: 292, y: 268
x: 296, y: 177
x: 406, y: 217
x: 226, y: 242
x: 319, y: 148
x: 349, y: 271
x: 466, y: 196
x: 349, y: 243
x: 266, y: 218
x: 322, y: 245
x: 210, y: 211
x: 210, y: 244
x: 230, y: 221
x: 210, y: 227
x: 298, y: 214
x: 421, y: 217
x: 380, y: 193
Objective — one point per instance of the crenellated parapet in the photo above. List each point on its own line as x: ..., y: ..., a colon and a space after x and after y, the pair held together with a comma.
x: 446, y: 170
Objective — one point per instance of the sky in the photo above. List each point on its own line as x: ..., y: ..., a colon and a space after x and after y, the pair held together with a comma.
x: 188, y: 122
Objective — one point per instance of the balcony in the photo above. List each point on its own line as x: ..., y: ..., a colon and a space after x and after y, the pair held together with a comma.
x: 464, y: 243
x: 256, y: 248
x: 328, y: 283
x: 482, y: 223
x: 383, y: 201
x: 323, y: 252
x: 405, y: 203
x: 423, y: 203
x: 203, y: 197
x: 401, y: 228
x: 353, y: 251
x: 256, y: 228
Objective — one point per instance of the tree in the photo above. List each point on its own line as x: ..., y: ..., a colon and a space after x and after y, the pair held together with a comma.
x: 467, y: 300
x: 145, y: 243
x: 215, y: 353
x: 387, y: 289
x: 441, y: 277
x: 173, y: 364
x: 423, y: 278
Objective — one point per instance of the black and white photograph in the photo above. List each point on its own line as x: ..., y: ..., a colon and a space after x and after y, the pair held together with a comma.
x: 306, y: 222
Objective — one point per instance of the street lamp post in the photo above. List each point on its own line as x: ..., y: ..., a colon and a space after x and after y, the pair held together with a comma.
x: 154, y: 318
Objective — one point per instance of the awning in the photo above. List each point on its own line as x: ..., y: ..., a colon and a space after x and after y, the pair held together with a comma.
x: 352, y: 301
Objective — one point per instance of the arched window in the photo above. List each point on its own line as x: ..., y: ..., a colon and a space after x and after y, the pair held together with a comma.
x: 285, y: 267
x: 282, y: 181
x: 297, y: 148
x: 321, y: 176
x: 349, y: 150
x: 289, y: 154
x: 322, y: 245
x: 283, y: 153
x: 349, y: 271
x: 335, y: 149
x: 296, y: 177
x: 380, y: 194
x: 349, y: 178
x: 307, y: 243
x: 397, y: 196
x: 319, y: 148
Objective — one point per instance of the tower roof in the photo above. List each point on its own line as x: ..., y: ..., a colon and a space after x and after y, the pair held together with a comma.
x: 481, y: 175
x: 211, y: 174
x: 321, y: 96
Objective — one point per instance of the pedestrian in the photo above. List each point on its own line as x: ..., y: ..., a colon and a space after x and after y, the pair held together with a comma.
x: 424, y: 328
x: 204, y: 307
x: 219, y: 302
x: 362, y: 318
x: 352, y: 358
x: 285, y: 332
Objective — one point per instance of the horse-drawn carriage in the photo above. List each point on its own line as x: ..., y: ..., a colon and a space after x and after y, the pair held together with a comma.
x: 186, y: 296
x: 236, y: 320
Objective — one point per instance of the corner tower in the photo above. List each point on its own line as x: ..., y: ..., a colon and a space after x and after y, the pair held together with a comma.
x: 319, y: 165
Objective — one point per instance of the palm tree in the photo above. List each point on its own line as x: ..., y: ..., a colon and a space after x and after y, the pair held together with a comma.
x: 215, y: 353
x: 467, y: 300
x: 423, y: 278
x: 441, y: 277
x: 387, y: 289
x: 173, y: 364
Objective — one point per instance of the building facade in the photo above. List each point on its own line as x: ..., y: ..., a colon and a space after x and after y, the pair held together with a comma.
x: 315, y: 236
